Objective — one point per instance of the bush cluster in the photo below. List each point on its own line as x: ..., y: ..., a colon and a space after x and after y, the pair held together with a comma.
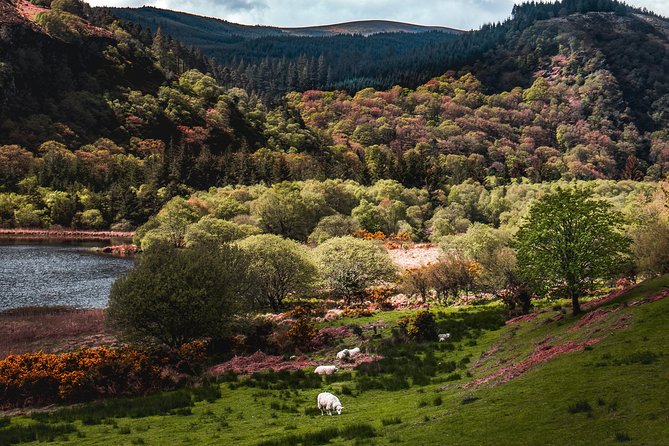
x: 41, y: 378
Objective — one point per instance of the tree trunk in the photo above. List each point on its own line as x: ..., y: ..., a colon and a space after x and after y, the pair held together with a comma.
x: 576, y: 306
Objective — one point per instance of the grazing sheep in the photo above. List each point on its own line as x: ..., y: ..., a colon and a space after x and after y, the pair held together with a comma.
x: 348, y: 353
x: 326, y: 369
x: 443, y: 336
x: 344, y: 354
x: 328, y: 402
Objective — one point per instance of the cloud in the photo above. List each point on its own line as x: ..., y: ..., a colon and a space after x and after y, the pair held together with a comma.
x: 463, y: 14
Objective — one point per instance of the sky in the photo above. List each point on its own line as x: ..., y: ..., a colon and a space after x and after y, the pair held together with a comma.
x: 462, y: 14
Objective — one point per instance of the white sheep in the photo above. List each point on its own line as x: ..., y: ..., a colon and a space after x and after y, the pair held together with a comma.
x: 443, y: 336
x: 326, y: 369
x: 344, y: 354
x: 328, y: 402
x: 348, y: 353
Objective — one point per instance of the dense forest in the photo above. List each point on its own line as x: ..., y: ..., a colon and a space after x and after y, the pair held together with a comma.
x: 270, y: 65
x: 269, y: 62
x: 103, y: 122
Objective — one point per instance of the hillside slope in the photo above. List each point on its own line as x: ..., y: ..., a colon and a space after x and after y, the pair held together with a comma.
x: 365, y: 28
x: 272, y: 61
x: 548, y: 378
x: 193, y: 28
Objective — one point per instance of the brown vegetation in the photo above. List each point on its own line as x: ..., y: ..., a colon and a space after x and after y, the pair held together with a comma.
x: 52, y: 329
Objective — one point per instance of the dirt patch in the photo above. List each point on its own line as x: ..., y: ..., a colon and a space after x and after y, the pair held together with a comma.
x: 415, y: 257
x: 53, y: 330
x: 541, y: 354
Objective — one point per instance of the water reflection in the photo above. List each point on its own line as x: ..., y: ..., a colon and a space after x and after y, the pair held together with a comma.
x: 56, y: 273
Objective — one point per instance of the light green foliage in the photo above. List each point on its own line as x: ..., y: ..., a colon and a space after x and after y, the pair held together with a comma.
x: 201, y: 85
x: 569, y: 242
x: 71, y: 6
x: 227, y: 208
x: 650, y: 236
x: 210, y: 229
x: 91, y: 219
x: 368, y: 216
x: 60, y: 206
x: 170, y: 224
x: 285, y: 210
x: 490, y: 248
x: 174, y: 296
x: 333, y: 226
x: 279, y: 268
x: 27, y: 216
x: 349, y: 265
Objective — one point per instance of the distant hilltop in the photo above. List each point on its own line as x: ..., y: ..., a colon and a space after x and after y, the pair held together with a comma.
x: 365, y: 28
x: 176, y: 22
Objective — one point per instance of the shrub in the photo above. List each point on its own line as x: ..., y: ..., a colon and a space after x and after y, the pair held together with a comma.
x: 469, y: 399
x: 15, y: 434
x: 348, y: 266
x: 580, y: 407
x: 177, y: 296
x: 303, y: 331
x: 360, y: 430
x: 390, y: 421
x: 421, y: 327
x: 622, y: 437
x: 279, y: 268
x: 42, y: 378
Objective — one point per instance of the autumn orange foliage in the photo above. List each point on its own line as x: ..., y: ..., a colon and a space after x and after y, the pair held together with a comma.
x: 43, y: 378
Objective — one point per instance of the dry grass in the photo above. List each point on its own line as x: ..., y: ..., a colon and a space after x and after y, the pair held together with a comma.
x: 51, y: 329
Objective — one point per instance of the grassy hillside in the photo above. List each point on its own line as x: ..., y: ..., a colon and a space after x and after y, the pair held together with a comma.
x: 600, y: 378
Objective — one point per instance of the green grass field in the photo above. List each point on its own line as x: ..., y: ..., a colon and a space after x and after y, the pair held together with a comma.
x: 613, y: 391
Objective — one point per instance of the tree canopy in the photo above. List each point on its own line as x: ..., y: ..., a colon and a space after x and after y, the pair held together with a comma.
x: 570, y: 241
x: 174, y: 296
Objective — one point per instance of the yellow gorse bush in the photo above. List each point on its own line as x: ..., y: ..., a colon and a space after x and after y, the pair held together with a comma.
x: 40, y: 378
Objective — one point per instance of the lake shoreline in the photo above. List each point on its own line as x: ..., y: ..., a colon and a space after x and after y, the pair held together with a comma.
x: 63, y: 234
x: 52, y: 329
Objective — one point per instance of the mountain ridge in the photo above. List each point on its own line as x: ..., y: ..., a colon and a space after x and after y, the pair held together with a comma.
x: 167, y: 18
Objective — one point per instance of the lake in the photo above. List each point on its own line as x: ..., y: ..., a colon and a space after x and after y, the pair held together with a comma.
x: 41, y: 273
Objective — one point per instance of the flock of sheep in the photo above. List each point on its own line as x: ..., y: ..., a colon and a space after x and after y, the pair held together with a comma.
x: 328, y: 402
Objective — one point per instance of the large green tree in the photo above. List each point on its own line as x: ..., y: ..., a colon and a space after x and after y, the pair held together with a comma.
x: 279, y: 268
x: 174, y: 296
x: 569, y: 241
x: 349, y: 265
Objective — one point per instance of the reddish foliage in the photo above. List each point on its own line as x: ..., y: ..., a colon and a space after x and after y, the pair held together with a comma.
x: 541, y: 354
x: 592, y: 317
x: 654, y: 298
x: 613, y: 295
x: 523, y: 318
x: 259, y: 361
x: 64, y: 234
x: 120, y: 250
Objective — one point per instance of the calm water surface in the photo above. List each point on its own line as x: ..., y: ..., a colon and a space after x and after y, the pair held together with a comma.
x: 47, y: 273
